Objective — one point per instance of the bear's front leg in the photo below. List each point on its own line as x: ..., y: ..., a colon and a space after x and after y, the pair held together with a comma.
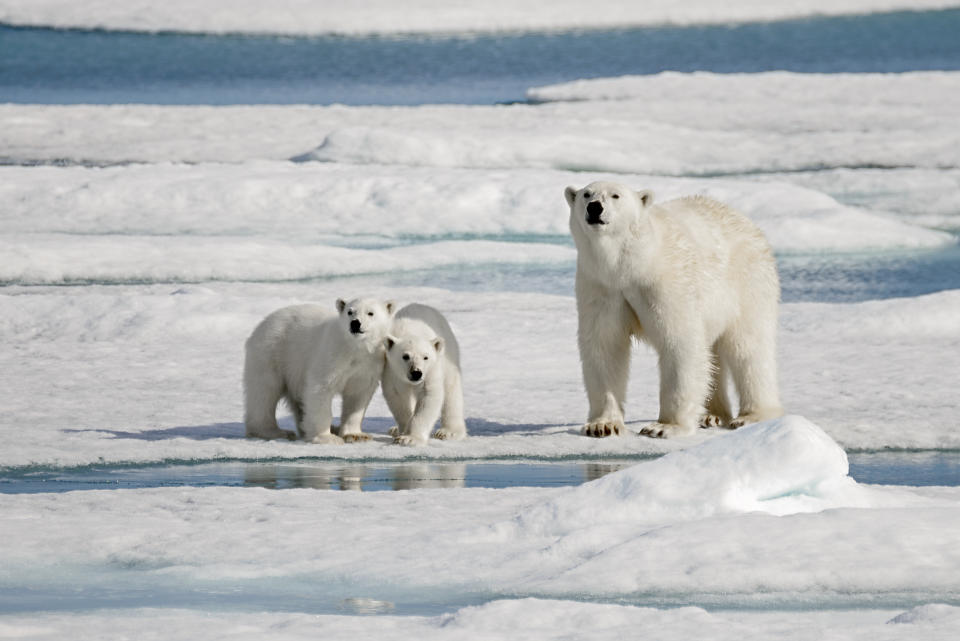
x: 355, y: 403
x: 684, y: 383
x: 604, y: 340
x: 317, y: 419
x: 425, y: 416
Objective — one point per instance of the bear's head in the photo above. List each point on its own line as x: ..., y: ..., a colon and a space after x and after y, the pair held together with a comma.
x: 604, y: 206
x: 365, y: 319
x: 411, y: 354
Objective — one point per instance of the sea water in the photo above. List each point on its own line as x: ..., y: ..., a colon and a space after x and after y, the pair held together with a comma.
x: 78, y: 66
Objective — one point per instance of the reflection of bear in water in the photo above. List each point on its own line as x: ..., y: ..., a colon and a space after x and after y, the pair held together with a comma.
x: 308, y: 355
x: 694, y: 279
x: 421, y: 377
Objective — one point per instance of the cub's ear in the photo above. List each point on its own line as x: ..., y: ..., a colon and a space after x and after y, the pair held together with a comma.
x: 646, y: 197
x: 389, y: 342
x: 570, y: 194
x: 391, y: 307
x: 340, y: 305
x: 438, y: 345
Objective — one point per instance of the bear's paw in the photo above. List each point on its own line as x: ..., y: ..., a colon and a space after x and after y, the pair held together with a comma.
x: 445, y: 434
x: 601, y: 429
x: 665, y: 430
x: 356, y: 437
x: 407, y: 440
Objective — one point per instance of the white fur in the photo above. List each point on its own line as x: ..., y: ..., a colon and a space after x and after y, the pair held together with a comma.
x: 421, y: 341
x: 694, y: 279
x: 308, y: 355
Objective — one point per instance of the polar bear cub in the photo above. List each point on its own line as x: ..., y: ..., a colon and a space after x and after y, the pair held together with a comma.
x: 694, y: 279
x: 307, y: 355
x: 421, y: 377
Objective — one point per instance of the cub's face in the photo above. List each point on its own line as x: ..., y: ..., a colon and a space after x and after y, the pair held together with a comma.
x: 412, y: 358
x: 604, y: 206
x: 366, y: 319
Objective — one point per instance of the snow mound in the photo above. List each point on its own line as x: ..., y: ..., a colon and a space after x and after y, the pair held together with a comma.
x: 779, y: 467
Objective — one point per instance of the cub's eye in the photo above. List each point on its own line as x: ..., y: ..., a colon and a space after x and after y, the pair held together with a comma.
x: 369, y: 313
x: 616, y: 195
x: 426, y: 358
x: 587, y: 195
x: 350, y: 312
x: 406, y: 357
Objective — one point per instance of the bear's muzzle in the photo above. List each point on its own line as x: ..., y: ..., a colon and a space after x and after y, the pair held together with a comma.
x: 594, y: 209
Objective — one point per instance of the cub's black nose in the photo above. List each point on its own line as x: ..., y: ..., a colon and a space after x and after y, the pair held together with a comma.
x: 594, y: 209
x: 355, y: 326
x: 415, y: 375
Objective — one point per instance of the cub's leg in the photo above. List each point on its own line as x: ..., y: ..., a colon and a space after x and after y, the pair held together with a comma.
x: 355, y: 403
x: 452, y: 425
x: 262, y: 388
x: 318, y: 416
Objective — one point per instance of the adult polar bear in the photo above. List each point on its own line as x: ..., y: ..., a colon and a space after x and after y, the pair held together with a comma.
x: 694, y: 279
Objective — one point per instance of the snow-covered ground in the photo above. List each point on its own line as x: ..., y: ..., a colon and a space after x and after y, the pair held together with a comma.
x: 364, y: 17
x: 140, y: 245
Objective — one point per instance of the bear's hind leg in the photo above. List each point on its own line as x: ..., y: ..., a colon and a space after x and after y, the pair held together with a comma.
x: 262, y: 391
x: 753, y: 366
x: 719, y: 408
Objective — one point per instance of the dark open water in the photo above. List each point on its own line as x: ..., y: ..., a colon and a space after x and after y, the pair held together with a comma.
x: 76, y: 66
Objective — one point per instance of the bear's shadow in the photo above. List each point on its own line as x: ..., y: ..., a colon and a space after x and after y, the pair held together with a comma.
x: 375, y: 425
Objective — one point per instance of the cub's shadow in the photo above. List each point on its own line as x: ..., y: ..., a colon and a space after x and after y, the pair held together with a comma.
x: 375, y: 425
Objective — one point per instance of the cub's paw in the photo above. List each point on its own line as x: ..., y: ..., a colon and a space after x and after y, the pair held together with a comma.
x: 394, y: 431
x: 326, y: 439
x: 712, y: 420
x: 409, y: 441
x: 449, y: 435
x: 356, y: 437
x: 600, y: 429
x: 664, y: 430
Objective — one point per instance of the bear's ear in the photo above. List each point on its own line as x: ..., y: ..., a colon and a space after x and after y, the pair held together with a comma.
x: 389, y: 341
x: 438, y: 345
x: 340, y: 305
x: 646, y: 197
x: 570, y: 194
x: 391, y: 307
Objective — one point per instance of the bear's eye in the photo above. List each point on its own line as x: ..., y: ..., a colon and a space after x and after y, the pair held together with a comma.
x: 587, y: 195
x: 369, y: 313
x: 406, y: 357
x: 616, y: 195
x: 426, y: 358
x: 350, y: 312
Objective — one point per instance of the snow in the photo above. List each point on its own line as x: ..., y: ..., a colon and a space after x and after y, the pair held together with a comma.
x: 301, y: 17
x: 764, y: 517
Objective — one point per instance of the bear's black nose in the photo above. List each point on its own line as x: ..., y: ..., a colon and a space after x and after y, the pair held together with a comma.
x: 355, y: 326
x: 415, y: 375
x: 594, y: 209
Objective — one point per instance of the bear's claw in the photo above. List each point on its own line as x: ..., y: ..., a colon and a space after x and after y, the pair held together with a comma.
x: 601, y: 429
x: 356, y: 437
